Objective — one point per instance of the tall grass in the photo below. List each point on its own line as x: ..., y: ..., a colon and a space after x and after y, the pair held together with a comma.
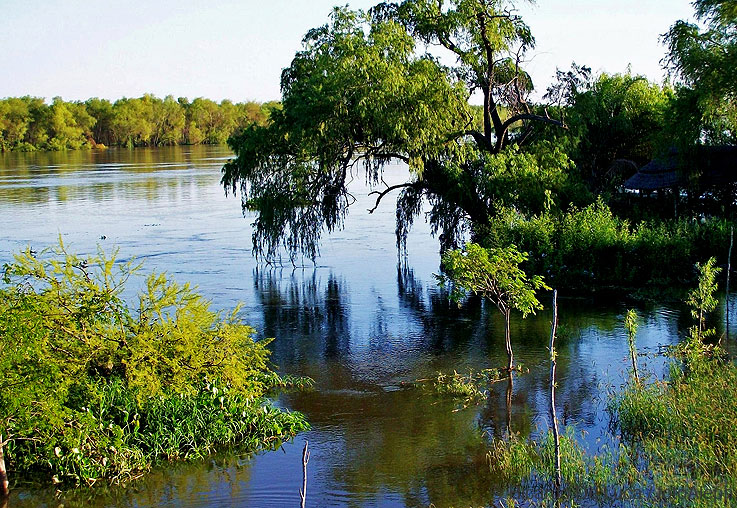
x: 678, y: 447
x: 686, y: 428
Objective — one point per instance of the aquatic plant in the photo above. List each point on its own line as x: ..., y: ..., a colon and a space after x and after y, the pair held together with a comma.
x: 471, y: 387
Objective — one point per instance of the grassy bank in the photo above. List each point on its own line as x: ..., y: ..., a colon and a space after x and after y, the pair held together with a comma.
x: 678, y: 448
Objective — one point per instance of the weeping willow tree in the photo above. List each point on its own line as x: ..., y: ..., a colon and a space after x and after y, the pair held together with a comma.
x: 362, y: 93
x: 703, y: 60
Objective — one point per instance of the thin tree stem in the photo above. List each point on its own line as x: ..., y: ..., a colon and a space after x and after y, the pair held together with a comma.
x: 553, y: 415
x: 4, y: 484
x: 729, y: 269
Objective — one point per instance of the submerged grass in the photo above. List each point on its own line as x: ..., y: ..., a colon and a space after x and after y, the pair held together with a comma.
x: 686, y: 428
x: 471, y: 388
x: 678, y: 448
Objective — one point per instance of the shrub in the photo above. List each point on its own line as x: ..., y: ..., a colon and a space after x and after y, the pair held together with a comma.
x: 591, y: 248
x: 94, y: 389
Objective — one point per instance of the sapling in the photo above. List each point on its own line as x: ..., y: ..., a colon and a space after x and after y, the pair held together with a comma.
x: 630, y: 324
x: 701, y: 299
x: 494, y: 274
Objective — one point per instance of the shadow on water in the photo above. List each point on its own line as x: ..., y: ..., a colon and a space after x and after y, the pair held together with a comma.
x: 362, y: 325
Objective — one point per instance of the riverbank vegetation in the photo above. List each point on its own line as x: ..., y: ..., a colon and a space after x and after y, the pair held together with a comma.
x: 97, y: 389
x: 593, y: 249
x: 29, y: 124
x: 676, y: 442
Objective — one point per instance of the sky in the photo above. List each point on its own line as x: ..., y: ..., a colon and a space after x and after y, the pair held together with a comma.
x: 236, y: 49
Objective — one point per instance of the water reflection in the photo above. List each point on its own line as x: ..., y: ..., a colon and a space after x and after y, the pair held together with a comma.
x: 96, y: 176
x: 359, y: 323
x: 379, y: 439
x: 295, y: 308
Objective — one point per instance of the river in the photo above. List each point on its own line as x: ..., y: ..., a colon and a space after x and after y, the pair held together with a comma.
x: 362, y: 321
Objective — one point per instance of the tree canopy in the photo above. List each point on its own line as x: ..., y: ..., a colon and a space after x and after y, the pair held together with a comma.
x: 705, y: 61
x: 609, y: 117
x: 362, y: 93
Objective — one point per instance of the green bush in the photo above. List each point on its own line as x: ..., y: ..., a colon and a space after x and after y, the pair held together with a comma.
x: 591, y: 248
x: 95, y: 389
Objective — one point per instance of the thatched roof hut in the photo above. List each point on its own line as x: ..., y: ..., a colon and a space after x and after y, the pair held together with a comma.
x: 715, y: 165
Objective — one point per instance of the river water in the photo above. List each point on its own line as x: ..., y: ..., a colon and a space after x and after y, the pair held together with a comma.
x: 362, y: 322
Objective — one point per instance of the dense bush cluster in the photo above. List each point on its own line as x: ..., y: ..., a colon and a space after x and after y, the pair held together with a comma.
x: 96, y: 389
x: 591, y: 248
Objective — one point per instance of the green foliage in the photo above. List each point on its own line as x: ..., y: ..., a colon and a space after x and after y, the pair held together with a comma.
x: 538, y: 179
x: 346, y: 97
x: 630, y: 325
x: 494, y: 274
x: 457, y: 385
x: 94, y: 389
x: 591, y: 248
x: 471, y: 388
x: 623, y: 476
x: 27, y: 123
x: 705, y: 61
x: 619, y: 116
x: 685, y: 429
x: 360, y: 94
x: 701, y: 299
x: 678, y: 448
x: 110, y: 435
x: 531, y: 465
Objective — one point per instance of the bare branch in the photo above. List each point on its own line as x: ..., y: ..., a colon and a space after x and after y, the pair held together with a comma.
x: 520, y: 117
x: 387, y: 191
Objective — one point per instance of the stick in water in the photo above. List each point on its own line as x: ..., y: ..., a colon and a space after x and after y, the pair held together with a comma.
x: 305, y: 460
x: 4, y: 484
x: 729, y: 269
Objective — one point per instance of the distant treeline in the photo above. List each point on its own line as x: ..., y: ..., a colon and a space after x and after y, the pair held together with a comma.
x: 28, y: 123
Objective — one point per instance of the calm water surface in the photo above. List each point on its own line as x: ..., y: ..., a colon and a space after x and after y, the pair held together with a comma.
x: 361, y: 321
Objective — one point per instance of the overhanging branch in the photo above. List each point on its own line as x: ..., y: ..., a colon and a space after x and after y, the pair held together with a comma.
x: 380, y: 195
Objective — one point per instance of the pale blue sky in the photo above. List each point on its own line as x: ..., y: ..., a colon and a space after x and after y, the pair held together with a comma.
x: 235, y: 49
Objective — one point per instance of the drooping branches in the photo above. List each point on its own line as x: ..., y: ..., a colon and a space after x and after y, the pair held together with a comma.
x: 359, y: 95
x: 705, y: 62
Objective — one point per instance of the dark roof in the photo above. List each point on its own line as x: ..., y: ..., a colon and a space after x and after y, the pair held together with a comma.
x: 716, y: 164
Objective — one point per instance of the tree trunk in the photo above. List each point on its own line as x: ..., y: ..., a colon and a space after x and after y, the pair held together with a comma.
x: 508, y: 340
x: 510, y: 392
x: 4, y: 484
